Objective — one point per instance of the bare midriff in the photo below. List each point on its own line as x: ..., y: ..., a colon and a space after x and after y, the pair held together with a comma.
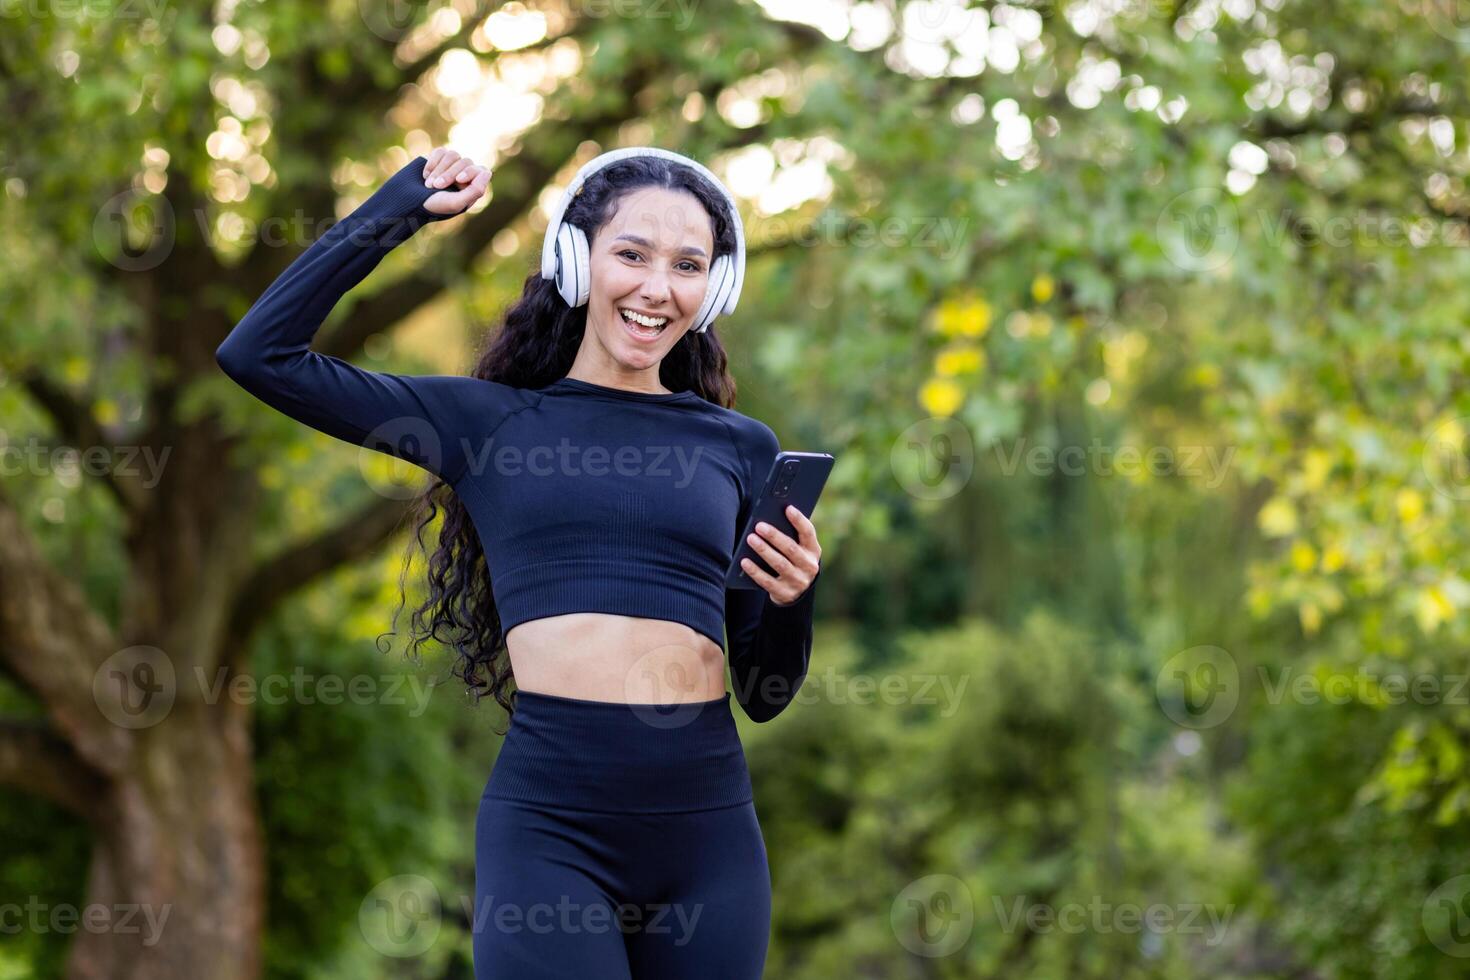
x: 606, y: 657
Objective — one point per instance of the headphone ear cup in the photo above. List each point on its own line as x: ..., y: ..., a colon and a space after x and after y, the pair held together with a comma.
x: 573, y: 265
x: 721, y: 281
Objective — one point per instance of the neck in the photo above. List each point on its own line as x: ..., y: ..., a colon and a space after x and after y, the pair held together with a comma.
x: 614, y: 375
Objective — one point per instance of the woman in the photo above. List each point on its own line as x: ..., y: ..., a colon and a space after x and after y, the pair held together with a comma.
x: 593, y: 478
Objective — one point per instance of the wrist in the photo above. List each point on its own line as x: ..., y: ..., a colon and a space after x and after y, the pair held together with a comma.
x: 804, y: 598
x: 405, y: 193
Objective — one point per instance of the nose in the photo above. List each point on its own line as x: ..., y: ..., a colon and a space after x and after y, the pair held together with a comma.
x: 655, y: 288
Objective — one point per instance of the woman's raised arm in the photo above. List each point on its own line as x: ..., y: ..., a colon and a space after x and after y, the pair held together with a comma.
x: 429, y: 420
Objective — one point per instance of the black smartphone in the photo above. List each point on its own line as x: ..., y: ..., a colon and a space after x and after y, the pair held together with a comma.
x: 796, y: 479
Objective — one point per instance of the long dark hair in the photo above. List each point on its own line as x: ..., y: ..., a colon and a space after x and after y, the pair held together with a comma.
x: 537, y: 341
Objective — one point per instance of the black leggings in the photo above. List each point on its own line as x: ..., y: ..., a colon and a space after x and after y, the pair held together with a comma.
x: 620, y: 841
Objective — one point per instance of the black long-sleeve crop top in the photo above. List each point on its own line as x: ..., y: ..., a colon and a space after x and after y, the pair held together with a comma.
x: 586, y: 498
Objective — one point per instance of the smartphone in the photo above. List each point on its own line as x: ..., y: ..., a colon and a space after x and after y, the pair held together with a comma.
x: 796, y: 479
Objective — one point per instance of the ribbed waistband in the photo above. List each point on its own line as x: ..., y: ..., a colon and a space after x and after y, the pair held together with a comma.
x: 621, y: 758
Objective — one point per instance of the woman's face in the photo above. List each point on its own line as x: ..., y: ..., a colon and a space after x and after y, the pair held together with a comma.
x: 651, y: 257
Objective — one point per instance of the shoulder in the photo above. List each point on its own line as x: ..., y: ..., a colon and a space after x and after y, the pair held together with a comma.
x: 755, y: 443
x: 752, y: 437
x: 459, y: 394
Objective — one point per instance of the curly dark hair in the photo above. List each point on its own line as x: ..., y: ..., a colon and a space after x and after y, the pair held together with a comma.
x: 537, y: 341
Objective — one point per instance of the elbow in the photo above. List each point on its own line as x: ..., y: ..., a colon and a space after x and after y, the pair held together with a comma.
x: 224, y: 356
x: 236, y: 360
x: 772, y: 696
x: 761, y: 712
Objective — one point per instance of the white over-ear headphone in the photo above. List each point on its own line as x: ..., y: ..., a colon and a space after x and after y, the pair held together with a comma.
x: 566, y: 256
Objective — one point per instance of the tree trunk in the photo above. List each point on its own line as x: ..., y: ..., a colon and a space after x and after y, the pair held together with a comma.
x: 177, y: 877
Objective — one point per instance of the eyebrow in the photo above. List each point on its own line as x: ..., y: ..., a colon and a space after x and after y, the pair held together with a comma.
x: 636, y: 240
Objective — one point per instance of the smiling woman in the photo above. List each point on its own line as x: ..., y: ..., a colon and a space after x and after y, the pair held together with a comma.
x: 594, y: 476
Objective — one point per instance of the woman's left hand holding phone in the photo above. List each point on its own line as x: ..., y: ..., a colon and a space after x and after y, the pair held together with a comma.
x: 795, y: 562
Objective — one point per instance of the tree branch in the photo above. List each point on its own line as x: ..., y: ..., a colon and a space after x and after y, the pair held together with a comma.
x: 76, y: 426
x: 55, y: 643
x: 358, y: 536
x: 35, y: 759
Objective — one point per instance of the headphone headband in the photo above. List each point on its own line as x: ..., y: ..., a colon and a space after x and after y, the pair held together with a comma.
x: 721, y: 273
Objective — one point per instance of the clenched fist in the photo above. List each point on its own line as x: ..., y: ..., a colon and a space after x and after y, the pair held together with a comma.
x: 465, y: 181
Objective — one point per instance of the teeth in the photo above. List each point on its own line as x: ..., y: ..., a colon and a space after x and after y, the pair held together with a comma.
x: 643, y: 320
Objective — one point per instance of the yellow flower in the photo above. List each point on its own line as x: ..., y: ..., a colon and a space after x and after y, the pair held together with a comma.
x: 1042, y: 288
x: 1433, y: 608
x: 105, y: 411
x: 1303, y: 556
x: 1316, y: 464
x: 1410, y: 503
x: 959, y: 360
x: 968, y: 316
x: 941, y: 397
x: 1278, y: 517
x: 1310, y: 616
x: 1333, y: 558
x: 74, y: 370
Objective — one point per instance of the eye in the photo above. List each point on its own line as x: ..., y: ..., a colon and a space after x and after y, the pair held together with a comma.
x: 688, y: 264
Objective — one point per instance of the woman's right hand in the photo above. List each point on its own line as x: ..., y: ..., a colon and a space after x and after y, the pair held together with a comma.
x: 466, y: 181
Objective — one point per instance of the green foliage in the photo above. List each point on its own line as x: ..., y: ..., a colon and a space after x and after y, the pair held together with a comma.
x: 366, y: 777
x: 1000, y: 760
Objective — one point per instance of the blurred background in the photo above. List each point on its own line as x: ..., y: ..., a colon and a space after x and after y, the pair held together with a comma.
x: 1137, y: 328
